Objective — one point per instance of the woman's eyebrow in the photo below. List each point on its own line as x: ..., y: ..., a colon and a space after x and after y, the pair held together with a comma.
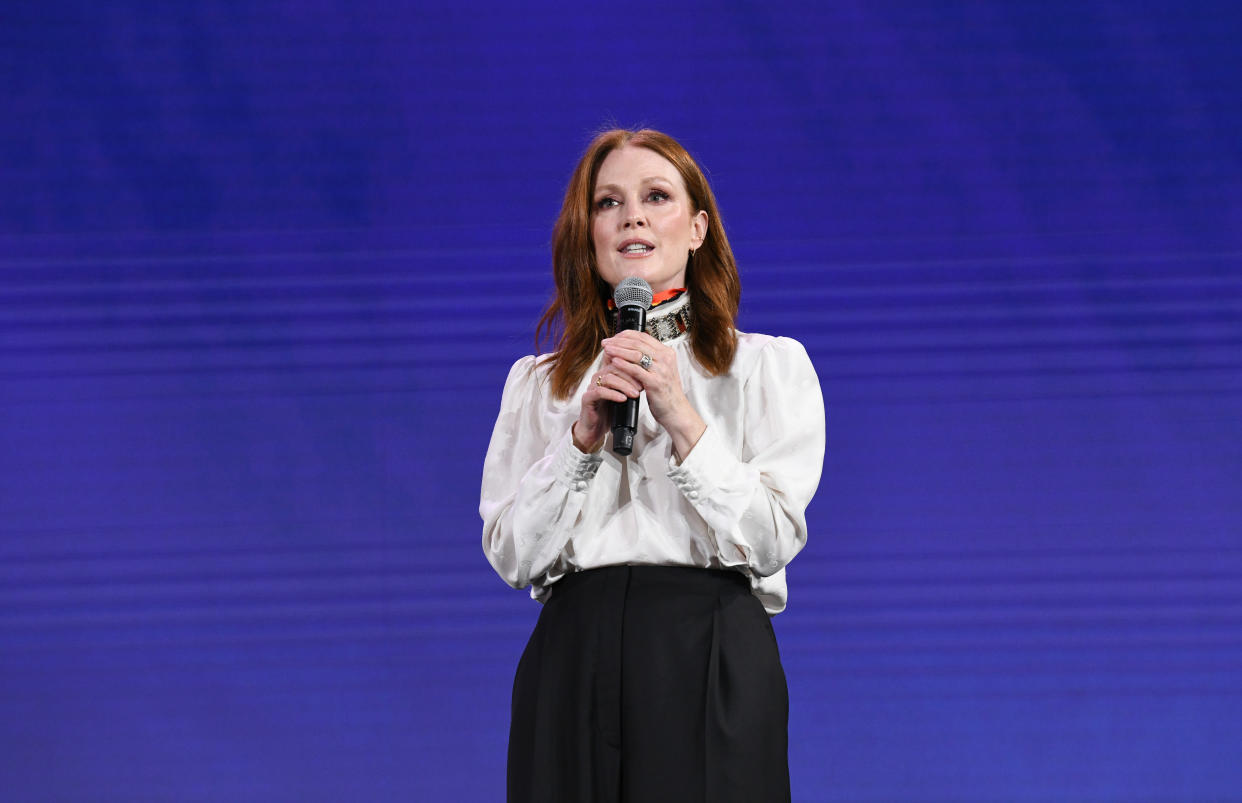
x: 646, y: 180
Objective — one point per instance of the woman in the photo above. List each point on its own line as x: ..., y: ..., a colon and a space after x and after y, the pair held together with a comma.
x: 653, y: 673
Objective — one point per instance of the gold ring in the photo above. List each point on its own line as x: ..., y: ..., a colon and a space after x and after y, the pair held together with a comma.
x: 599, y: 380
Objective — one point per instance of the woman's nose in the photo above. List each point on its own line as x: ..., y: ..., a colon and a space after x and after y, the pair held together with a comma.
x: 635, y: 221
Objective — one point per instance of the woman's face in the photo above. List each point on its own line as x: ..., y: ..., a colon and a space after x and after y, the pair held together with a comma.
x: 643, y: 221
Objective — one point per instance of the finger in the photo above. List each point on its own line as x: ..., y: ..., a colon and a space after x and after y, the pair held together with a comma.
x: 608, y: 394
x: 635, y: 346
x: 636, y: 339
x: 629, y: 354
x: 642, y: 353
x: 635, y: 372
x: 613, y: 380
x: 604, y: 393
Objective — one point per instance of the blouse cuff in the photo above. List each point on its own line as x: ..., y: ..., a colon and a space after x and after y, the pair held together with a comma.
x: 694, y: 475
x: 574, y: 468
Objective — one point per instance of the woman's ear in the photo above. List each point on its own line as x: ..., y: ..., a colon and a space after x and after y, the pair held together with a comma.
x: 698, y: 229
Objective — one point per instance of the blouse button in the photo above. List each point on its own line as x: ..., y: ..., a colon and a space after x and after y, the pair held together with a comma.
x: 692, y: 495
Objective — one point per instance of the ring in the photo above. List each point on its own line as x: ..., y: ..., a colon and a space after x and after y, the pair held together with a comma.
x: 599, y: 380
x: 645, y: 362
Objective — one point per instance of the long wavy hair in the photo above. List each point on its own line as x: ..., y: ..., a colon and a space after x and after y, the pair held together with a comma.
x: 577, y: 314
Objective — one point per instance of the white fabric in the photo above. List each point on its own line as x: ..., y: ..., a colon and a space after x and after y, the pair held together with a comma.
x: 738, y: 500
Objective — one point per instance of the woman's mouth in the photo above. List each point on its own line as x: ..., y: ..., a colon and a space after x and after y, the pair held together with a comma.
x: 636, y: 248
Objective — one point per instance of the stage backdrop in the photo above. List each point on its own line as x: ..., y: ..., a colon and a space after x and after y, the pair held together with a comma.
x: 264, y: 267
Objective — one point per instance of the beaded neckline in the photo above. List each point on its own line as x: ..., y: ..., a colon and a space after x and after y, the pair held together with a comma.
x: 667, y: 321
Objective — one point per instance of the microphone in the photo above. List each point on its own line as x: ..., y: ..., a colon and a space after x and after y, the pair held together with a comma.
x: 632, y: 297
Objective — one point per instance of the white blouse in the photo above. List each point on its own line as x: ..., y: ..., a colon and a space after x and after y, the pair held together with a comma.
x: 737, y: 501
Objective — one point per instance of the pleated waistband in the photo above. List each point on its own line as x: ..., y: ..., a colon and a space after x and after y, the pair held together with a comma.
x: 685, y: 579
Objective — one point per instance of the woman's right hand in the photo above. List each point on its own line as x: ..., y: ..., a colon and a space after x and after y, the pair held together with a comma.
x: 594, y: 418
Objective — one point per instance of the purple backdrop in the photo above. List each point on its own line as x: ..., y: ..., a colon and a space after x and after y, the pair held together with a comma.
x: 263, y: 268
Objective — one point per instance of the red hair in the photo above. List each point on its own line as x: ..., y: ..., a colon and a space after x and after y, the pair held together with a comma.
x: 577, y: 309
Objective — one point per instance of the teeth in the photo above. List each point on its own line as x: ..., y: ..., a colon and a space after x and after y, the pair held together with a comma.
x: 635, y: 248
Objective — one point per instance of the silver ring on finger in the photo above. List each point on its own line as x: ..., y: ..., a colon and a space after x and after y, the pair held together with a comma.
x: 645, y: 362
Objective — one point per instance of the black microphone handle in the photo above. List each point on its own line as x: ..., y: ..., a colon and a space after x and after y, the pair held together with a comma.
x: 625, y: 414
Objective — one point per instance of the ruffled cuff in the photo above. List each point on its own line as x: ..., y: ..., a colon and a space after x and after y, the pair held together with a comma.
x: 698, y: 475
x: 574, y: 468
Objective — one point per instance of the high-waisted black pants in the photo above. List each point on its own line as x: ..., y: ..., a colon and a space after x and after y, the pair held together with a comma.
x: 650, y: 683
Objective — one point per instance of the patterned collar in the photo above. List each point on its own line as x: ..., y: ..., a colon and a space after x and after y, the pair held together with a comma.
x: 667, y: 321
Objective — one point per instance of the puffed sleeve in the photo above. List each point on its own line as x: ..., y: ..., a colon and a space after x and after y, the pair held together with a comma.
x: 534, y: 480
x: 754, y: 503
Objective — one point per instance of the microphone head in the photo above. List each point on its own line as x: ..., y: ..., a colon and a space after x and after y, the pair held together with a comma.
x: 632, y: 292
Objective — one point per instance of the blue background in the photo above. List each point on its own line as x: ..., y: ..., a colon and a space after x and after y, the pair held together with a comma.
x: 264, y: 266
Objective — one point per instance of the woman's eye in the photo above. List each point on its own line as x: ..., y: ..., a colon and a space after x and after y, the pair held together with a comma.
x: 605, y: 203
x: 657, y: 195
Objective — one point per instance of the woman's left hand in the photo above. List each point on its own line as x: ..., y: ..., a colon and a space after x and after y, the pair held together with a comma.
x: 660, y: 381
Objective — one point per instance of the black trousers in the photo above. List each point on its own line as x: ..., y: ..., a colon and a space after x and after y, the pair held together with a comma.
x: 650, y: 683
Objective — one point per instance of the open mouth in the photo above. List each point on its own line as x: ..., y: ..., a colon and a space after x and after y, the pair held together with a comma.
x: 636, y: 247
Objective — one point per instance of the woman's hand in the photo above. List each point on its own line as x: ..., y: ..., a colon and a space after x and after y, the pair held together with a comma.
x: 624, y: 375
x: 595, y: 415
